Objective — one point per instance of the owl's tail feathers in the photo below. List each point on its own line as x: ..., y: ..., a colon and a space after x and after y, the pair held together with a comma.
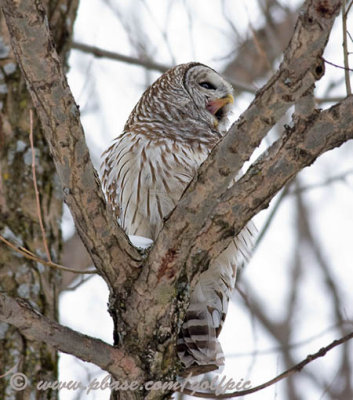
x: 197, y: 345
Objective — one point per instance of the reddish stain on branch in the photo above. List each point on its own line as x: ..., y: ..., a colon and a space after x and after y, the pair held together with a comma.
x: 164, y: 269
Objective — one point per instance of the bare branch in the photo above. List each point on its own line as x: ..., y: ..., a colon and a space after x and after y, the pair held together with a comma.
x: 107, y: 244
x: 297, y: 148
x: 296, y: 368
x: 39, y: 212
x: 98, y: 52
x: 280, y: 332
x: 270, y: 219
x: 261, y: 52
x: 29, y: 255
x: 336, y: 295
x: 345, y: 48
x: 278, y: 349
x: 40, y: 328
x: 150, y: 65
x: 342, y: 177
x: 321, y: 100
x: 338, y: 66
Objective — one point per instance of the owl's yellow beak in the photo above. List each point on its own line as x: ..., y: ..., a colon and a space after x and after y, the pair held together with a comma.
x: 215, y: 105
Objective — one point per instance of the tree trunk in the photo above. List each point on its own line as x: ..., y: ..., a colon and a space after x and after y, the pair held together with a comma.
x: 19, y: 221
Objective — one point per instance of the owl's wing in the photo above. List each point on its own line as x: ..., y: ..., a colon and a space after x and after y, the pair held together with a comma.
x: 125, y: 173
x: 110, y: 171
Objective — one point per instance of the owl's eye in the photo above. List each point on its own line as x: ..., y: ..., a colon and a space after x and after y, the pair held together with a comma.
x: 207, y: 85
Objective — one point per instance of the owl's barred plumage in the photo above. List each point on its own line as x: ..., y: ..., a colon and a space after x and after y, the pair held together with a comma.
x: 168, y: 135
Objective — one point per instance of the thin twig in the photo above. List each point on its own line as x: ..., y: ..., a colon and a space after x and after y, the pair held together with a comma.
x: 275, y: 329
x: 333, y: 179
x: 336, y: 65
x: 321, y: 100
x: 28, y: 254
x: 78, y: 284
x: 270, y: 218
x: 98, y: 52
x: 345, y: 49
x: 150, y: 65
x: 260, y: 50
x: 293, y: 345
x: 39, y: 213
x: 349, y: 7
x: 296, y: 368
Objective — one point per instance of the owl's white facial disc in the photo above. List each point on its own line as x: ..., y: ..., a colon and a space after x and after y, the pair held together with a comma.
x: 211, y: 94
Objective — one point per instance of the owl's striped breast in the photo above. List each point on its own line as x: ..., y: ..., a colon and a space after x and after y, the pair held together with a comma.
x: 144, y: 179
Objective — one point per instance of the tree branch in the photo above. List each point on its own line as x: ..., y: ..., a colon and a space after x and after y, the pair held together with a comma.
x: 148, y: 64
x: 345, y: 48
x: 98, y: 52
x: 30, y: 256
x: 296, y: 149
x: 109, y: 247
x: 296, y: 368
x: 37, y: 327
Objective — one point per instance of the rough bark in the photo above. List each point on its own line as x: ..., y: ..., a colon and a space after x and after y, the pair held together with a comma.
x: 107, y: 244
x: 149, y: 294
x: 35, y: 326
x: 18, y: 213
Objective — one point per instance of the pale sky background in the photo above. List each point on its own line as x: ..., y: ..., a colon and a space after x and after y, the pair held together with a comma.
x: 107, y: 91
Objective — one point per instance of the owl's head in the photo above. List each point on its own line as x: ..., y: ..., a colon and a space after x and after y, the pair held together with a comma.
x: 188, y: 102
x: 211, y: 93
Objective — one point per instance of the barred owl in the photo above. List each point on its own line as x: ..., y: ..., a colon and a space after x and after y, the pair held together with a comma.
x: 169, y: 133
